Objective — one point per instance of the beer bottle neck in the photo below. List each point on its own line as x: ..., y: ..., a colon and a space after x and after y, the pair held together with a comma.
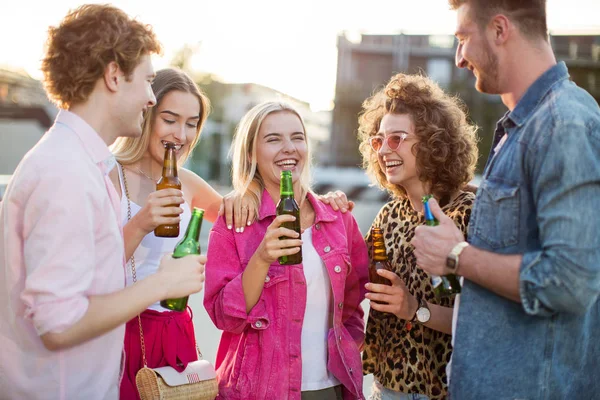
x: 286, y: 188
x: 170, y: 162
x: 193, y: 229
x: 429, y: 218
x: 379, y: 252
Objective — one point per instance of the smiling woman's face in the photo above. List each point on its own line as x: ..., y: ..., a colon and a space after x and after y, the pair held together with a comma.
x: 176, y: 120
x: 399, y: 165
x: 281, y: 145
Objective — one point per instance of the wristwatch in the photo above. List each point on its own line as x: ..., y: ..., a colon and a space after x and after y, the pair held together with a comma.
x: 422, y: 315
x: 452, y: 258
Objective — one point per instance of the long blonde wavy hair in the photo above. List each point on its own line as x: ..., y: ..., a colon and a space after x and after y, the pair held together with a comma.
x: 128, y: 150
x: 245, y: 177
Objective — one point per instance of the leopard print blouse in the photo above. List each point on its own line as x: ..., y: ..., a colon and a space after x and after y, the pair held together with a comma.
x: 410, y: 361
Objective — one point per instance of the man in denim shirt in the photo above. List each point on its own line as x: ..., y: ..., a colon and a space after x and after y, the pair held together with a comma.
x: 529, y: 317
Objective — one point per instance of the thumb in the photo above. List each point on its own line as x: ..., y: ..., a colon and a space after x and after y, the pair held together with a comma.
x: 437, y: 211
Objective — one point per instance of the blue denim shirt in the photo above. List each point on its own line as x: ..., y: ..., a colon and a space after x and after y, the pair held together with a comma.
x: 540, y: 197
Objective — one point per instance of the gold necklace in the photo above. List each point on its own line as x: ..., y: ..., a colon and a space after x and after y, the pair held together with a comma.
x: 144, y: 174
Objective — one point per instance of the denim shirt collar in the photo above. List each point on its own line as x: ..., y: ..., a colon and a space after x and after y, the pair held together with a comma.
x: 323, y: 212
x: 536, y: 92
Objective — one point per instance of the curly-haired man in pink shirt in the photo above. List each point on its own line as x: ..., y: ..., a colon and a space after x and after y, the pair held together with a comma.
x: 63, y: 304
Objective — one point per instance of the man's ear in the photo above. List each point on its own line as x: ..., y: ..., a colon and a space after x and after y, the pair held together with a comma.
x: 112, y: 76
x: 501, y: 27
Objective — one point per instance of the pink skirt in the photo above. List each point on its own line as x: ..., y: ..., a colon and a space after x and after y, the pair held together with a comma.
x: 169, y: 339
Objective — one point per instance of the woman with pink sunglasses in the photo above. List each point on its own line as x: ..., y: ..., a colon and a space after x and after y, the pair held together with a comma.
x: 415, y: 141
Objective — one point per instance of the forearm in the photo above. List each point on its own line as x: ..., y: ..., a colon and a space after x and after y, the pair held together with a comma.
x: 441, y: 318
x: 253, y: 281
x: 107, y: 312
x: 498, y: 273
x: 211, y: 213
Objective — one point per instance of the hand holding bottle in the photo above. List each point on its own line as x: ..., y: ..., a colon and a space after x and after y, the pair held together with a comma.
x: 161, y: 208
x: 394, y: 299
x: 271, y: 247
x: 433, y: 244
x: 183, y: 276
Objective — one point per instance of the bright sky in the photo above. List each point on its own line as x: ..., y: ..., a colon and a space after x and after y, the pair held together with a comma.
x: 289, y: 46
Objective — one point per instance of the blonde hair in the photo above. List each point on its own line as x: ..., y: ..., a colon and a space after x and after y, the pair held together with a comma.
x: 128, y: 150
x: 245, y: 177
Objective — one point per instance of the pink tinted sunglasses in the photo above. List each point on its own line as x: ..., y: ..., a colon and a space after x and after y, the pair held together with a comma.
x: 393, y: 141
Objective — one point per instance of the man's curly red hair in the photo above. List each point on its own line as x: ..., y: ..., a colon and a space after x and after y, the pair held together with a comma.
x: 86, y: 41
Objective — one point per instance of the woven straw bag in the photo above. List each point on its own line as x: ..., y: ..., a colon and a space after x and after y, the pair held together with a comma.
x: 197, y: 382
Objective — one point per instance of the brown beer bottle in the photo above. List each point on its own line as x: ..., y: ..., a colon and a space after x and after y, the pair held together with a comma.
x: 169, y: 180
x: 379, y: 258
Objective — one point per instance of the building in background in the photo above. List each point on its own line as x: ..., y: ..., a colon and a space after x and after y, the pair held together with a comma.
x: 25, y: 114
x: 367, y: 65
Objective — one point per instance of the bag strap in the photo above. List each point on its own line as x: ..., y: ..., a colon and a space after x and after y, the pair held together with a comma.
x: 133, y: 274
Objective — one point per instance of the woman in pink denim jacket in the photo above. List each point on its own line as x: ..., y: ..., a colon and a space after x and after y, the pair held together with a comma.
x: 289, y: 331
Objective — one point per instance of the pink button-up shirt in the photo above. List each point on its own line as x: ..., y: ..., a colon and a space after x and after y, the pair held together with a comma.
x: 259, y: 356
x: 60, y: 242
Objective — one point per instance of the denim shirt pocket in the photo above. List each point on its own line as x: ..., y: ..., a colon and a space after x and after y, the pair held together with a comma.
x: 498, y: 213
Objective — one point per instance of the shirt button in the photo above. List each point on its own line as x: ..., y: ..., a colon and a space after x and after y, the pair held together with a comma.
x: 317, y: 226
x: 327, y: 249
x: 338, y: 269
x: 341, y: 305
x: 258, y: 324
x: 267, y: 279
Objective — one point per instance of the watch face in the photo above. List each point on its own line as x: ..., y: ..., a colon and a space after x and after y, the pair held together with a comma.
x: 423, y: 315
x: 451, y: 261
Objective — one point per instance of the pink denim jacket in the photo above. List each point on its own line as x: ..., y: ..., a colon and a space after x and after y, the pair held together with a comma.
x: 259, y: 356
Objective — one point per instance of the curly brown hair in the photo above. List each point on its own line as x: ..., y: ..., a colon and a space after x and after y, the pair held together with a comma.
x: 86, y: 41
x: 446, y: 149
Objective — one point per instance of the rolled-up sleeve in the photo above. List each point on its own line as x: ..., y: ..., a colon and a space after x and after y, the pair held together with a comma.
x: 224, y: 298
x: 58, y: 247
x: 564, y: 276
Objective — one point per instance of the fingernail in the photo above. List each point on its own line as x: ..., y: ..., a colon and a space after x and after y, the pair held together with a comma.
x: 248, y: 223
x: 344, y: 209
x: 228, y: 226
x: 237, y: 230
x: 242, y: 229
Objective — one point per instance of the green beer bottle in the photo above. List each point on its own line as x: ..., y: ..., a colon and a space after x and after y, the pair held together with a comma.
x: 188, y: 245
x: 288, y: 205
x: 443, y: 286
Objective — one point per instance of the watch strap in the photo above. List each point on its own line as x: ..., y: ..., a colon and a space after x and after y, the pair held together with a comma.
x: 414, y: 318
x: 453, y: 257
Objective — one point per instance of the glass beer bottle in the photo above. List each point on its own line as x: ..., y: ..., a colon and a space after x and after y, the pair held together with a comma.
x: 443, y: 286
x: 190, y: 244
x: 288, y: 205
x: 379, y: 258
x: 169, y: 180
